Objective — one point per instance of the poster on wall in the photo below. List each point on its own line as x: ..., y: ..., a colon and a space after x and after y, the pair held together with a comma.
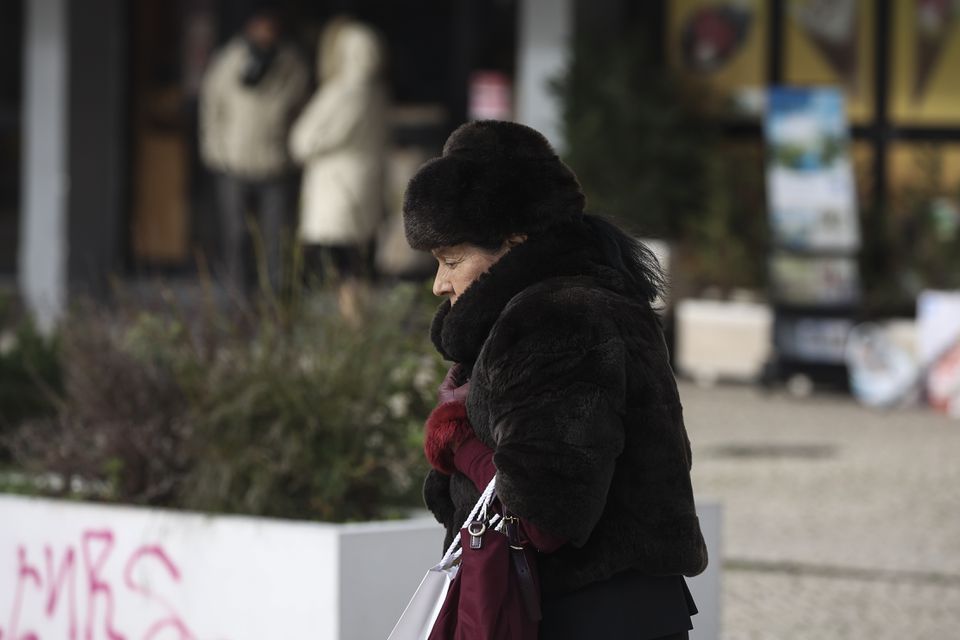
x: 814, y: 281
x: 811, y: 190
x: 830, y: 42
x: 723, y: 44
x: 926, y: 62
x: 814, y: 340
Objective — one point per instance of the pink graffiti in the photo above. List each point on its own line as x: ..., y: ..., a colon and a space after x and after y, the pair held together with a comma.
x: 24, y: 572
x: 58, y: 587
x: 172, y: 620
x: 55, y: 585
x: 95, y: 585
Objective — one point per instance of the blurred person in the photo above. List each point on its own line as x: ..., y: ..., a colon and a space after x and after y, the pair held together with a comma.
x: 561, y: 386
x: 340, y: 138
x: 248, y: 99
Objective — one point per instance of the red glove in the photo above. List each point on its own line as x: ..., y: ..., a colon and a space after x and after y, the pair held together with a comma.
x: 447, y: 428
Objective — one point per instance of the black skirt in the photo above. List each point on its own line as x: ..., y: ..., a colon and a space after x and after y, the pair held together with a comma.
x: 629, y: 606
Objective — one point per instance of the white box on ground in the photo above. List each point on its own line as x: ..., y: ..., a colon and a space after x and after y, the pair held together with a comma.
x: 722, y: 340
x: 71, y: 570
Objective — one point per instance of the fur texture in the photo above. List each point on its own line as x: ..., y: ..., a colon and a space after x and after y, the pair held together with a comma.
x: 571, y: 386
x: 447, y: 426
x: 493, y: 180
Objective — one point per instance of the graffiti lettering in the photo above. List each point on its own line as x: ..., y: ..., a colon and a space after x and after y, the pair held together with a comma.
x: 170, y: 621
x: 55, y: 585
x: 97, y: 586
x: 55, y: 590
x: 24, y: 572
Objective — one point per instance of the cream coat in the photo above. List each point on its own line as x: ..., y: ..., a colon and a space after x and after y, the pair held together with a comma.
x: 340, y: 140
x: 243, y: 130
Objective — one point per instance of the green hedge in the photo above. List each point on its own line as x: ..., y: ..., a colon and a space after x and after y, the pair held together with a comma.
x: 30, y: 375
x: 284, y: 410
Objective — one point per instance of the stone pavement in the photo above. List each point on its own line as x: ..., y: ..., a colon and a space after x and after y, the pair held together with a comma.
x: 840, y: 522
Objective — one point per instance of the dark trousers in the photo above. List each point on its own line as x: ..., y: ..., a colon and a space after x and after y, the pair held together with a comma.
x: 629, y: 606
x: 271, y: 200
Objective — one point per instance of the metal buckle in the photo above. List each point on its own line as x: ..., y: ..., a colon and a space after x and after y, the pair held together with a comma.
x: 476, y: 528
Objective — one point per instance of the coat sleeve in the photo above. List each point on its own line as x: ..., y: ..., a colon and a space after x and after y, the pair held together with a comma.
x: 557, y: 379
x: 212, y: 111
x: 326, y: 123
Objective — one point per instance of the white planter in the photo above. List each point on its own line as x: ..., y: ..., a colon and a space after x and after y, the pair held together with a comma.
x: 70, y: 571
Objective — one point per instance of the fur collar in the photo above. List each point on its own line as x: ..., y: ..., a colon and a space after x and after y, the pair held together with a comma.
x: 459, y: 331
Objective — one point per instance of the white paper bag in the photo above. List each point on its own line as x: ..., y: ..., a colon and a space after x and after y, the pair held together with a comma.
x: 421, y: 613
x: 417, y: 620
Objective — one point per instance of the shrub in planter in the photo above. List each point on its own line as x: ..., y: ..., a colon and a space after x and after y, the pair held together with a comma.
x: 323, y: 420
x: 286, y: 410
x: 121, y: 425
x: 30, y: 376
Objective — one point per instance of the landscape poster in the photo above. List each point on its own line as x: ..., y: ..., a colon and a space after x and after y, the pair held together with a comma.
x: 810, y: 182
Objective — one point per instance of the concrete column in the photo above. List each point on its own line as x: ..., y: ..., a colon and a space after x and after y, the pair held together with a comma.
x: 45, y: 184
x: 543, y: 44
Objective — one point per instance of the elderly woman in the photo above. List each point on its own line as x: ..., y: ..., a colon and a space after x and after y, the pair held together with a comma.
x: 561, y: 385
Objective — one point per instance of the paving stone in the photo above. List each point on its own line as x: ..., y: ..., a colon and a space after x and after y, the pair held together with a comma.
x: 839, y: 521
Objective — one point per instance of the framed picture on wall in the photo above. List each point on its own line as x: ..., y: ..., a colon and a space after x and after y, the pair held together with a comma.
x: 925, y: 82
x: 831, y: 42
x: 722, y: 43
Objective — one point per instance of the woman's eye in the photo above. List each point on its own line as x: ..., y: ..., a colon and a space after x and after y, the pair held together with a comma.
x: 450, y: 264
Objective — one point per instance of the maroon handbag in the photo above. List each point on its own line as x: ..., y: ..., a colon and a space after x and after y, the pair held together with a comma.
x: 496, y: 592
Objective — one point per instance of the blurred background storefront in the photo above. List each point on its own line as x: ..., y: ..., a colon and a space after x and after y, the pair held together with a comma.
x: 99, y: 171
x: 98, y: 111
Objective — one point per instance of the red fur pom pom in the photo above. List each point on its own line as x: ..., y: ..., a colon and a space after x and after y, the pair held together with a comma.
x: 446, y: 428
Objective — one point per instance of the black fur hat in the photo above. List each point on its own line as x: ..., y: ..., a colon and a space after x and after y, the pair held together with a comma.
x: 494, y: 179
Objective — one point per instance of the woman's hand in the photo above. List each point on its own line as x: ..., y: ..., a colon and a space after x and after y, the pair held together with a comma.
x: 449, y: 391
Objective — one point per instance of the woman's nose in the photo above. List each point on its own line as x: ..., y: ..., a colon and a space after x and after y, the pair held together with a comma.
x: 441, y: 285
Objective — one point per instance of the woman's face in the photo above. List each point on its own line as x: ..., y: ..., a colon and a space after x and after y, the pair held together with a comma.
x: 459, y: 265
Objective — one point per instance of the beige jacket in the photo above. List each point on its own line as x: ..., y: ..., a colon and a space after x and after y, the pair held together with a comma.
x: 243, y: 130
x: 340, y: 139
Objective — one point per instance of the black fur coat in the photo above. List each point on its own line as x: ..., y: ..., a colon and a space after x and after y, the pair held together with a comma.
x: 571, y: 386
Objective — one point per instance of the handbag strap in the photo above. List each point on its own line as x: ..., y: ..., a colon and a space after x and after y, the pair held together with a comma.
x: 454, y: 551
x: 528, y: 588
x: 510, y: 524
